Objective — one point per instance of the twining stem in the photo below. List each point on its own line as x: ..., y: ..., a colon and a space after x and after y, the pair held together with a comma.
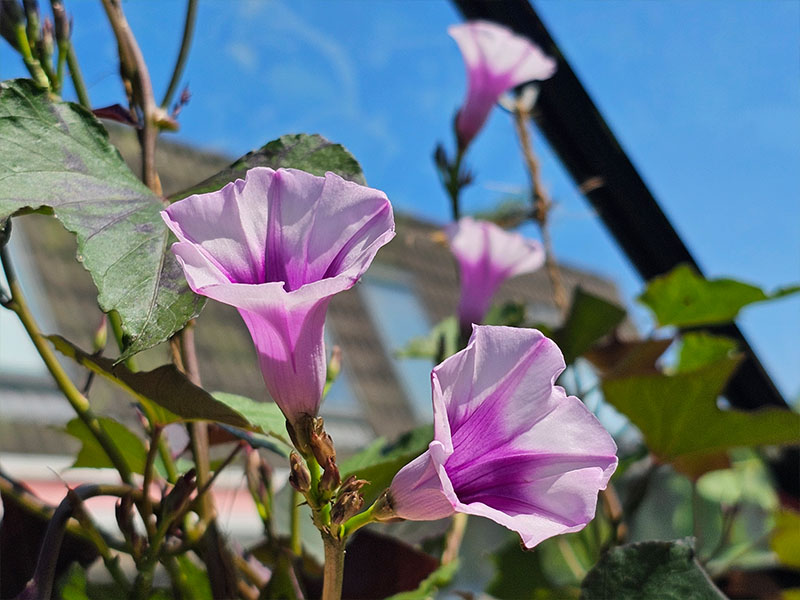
x: 110, y: 561
x: 147, y: 504
x: 541, y: 204
x: 134, y: 71
x: 454, y: 537
x: 45, y: 571
x: 569, y: 556
x: 77, y: 400
x: 295, y: 542
x: 183, y: 53
x: 333, y: 573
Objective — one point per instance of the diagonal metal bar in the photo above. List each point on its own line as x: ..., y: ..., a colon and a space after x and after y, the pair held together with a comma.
x: 587, y: 147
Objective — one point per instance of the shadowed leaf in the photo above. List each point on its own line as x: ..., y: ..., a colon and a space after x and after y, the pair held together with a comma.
x: 665, y: 570
x: 166, y: 392
x: 57, y: 155
x: 311, y: 153
x: 589, y: 319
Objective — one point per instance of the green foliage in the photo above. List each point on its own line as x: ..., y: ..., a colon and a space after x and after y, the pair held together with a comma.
x: 442, y: 576
x: 683, y: 298
x: 589, y: 319
x: 166, y: 393
x: 379, y: 463
x: 510, y: 314
x: 57, y: 158
x: 194, y: 578
x: 679, y: 417
x: 666, y: 570
x: 746, y: 481
x: 441, y: 342
x: 520, y: 574
x: 264, y: 417
x: 73, y: 585
x: 311, y: 153
x: 92, y: 455
x: 785, y: 542
x: 699, y: 348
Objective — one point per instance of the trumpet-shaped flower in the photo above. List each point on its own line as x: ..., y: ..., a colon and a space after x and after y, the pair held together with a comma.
x: 277, y: 246
x: 508, y: 443
x: 497, y: 60
x: 487, y: 255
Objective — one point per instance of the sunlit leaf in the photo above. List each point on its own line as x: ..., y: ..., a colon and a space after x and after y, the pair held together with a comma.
x: 441, y: 342
x: 746, y: 481
x: 311, y: 153
x: 379, y: 463
x: 57, y: 155
x: 679, y: 417
x: 683, y: 298
x: 664, y: 570
x: 699, y: 348
x: 266, y: 417
x: 785, y: 540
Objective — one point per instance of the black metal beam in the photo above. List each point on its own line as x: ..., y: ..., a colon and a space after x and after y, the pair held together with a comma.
x: 599, y: 166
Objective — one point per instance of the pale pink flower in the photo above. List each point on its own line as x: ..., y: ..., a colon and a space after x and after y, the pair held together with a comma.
x: 487, y: 255
x: 497, y: 60
x: 277, y: 246
x: 508, y: 444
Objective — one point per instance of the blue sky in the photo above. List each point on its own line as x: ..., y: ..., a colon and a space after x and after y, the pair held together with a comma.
x: 704, y: 97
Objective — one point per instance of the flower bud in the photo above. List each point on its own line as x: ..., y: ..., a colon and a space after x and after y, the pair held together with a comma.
x: 330, y: 479
x: 321, y: 443
x: 351, y: 484
x: 180, y: 492
x: 334, y: 364
x: 60, y: 21
x: 299, y: 478
x: 346, y: 506
x: 100, y: 335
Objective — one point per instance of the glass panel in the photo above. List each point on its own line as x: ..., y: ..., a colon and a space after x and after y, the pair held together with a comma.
x: 399, y: 317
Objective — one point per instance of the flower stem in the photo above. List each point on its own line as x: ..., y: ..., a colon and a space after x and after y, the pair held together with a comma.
x: 183, y: 53
x: 333, y: 573
x: 77, y: 400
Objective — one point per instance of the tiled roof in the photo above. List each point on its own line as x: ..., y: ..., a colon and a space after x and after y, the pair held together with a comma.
x: 226, y: 355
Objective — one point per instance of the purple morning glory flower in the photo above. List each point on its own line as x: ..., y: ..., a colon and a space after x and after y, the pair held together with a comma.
x: 497, y: 60
x: 508, y: 443
x: 277, y: 246
x: 487, y: 255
